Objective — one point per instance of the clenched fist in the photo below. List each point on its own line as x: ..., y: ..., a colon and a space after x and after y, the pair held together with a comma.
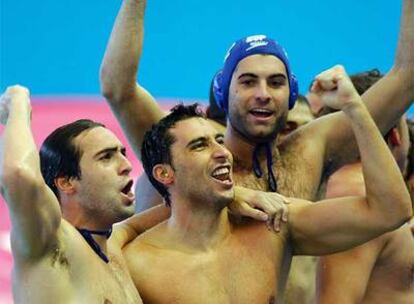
x: 335, y: 88
x: 15, y: 93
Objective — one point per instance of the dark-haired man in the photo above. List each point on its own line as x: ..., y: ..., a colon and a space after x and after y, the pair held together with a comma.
x: 60, y: 228
x: 381, y: 270
x: 256, y: 88
x: 202, y: 255
x: 64, y: 203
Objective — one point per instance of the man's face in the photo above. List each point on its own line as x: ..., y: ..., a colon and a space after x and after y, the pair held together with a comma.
x: 104, y: 189
x: 258, y: 97
x: 202, y: 164
x: 300, y: 115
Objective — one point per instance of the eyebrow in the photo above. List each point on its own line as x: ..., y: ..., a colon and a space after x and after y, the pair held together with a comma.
x: 203, y: 139
x: 111, y: 150
x: 196, y: 140
x: 255, y: 76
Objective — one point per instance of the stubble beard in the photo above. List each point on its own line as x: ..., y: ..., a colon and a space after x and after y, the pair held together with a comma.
x: 241, y: 126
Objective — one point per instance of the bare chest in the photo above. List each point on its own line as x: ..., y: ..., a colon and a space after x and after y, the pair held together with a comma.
x: 246, y: 275
x: 394, y: 269
x: 295, y: 177
x: 67, y: 277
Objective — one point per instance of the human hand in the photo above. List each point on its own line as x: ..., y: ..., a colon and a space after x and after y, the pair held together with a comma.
x: 12, y: 93
x: 335, y: 88
x: 262, y: 206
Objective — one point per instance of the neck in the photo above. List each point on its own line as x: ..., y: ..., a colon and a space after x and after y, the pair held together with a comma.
x: 77, y: 217
x: 200, y: 228
x: 242, y: 149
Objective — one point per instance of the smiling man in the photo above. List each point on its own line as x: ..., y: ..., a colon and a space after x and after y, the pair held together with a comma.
x: 256, y: 87
x: 203, y: 255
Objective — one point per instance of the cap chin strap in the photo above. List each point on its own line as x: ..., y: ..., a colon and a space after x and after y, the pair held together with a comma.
x: 271, y: 180
x: 87, y: 235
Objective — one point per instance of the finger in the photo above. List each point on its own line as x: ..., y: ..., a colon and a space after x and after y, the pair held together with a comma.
x: 247, y: 210
x: 285, y: 214
x: 277, y: 221
x: 283, y: 199
x: 267, y: 206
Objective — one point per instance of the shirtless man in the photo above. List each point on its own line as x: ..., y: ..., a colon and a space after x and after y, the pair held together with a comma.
x: 259, y: 91
x: 60, y: 228
x: 87, y: 190
x: 379, y: 271
x: 201, y: 255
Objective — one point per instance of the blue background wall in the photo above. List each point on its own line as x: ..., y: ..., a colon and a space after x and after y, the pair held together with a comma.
x: 55, y: 47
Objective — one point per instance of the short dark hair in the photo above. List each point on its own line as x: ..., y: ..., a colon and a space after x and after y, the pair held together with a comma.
x: 364, y: 80
x: 59, y: 157
x: 156, y: 148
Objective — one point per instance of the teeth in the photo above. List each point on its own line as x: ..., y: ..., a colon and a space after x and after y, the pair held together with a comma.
x: 221, y: 171
x: 261, y: 110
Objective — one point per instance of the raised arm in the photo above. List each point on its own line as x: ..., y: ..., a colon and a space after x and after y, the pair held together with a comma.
x: 386, y: 101
x: 34, y: 210
x: 134, y: 107
x: 342, y: 223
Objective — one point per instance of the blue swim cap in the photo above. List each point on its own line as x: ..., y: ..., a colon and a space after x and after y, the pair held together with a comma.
x: 252, y: 45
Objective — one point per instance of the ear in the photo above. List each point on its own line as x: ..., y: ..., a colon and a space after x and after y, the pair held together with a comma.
x: 163, y: 173
x: 394, y: 137
x: 65, y: 185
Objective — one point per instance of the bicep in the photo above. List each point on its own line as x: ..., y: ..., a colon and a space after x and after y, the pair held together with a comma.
x: 343, y: 277
x: 136, y: 114
x: 332, y: 225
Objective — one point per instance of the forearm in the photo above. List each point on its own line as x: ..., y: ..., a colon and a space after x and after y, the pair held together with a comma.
x: 387, y: 100
x: 121, y: 59
x: 129, y: 229
x: 135, y: 109
x: 386, y: 193
x: 392, y: 95
x: 20, y: 154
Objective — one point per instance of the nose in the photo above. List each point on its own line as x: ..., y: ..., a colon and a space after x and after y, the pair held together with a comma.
x: 222, y: 153
x: 125, y: 166
x: 262, y: 92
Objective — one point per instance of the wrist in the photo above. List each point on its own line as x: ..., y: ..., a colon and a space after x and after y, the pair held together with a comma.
x: 355, y: 106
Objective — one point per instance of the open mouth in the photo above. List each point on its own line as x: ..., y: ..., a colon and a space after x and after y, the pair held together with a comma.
x: 127, y: 189
x: 222, y: 174
x: 261, y: 113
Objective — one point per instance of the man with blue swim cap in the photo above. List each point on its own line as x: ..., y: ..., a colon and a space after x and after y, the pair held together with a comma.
x: 241, y: 49
x: 252, y: 45
x: 257, y: 88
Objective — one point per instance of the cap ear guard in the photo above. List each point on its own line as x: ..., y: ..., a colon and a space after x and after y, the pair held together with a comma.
x: 294, y: 91
x: 218, y: 91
